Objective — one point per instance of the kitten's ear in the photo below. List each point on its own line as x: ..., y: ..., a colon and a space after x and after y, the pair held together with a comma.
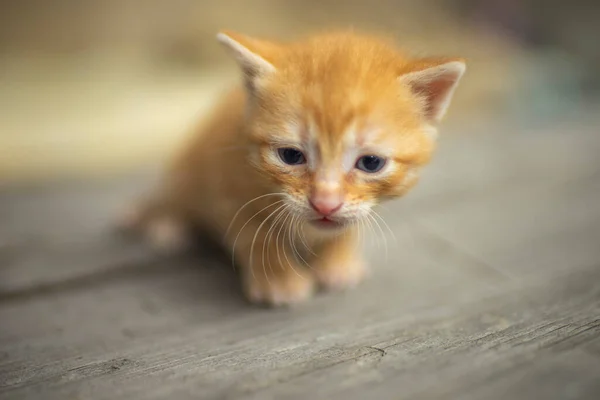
x: 252, y: 55
x: 434, y: 82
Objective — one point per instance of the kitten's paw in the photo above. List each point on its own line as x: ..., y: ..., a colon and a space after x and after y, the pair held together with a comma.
x: 167, y: 235
x: 130, y: 219
x: 283, y: 290
x: 341, y: 276
x: 164, y: 233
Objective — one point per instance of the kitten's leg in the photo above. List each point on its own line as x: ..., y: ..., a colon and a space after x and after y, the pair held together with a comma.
x: 270, y: 273
x: 339, y: 263
x: 134, y: 215
x: 163, y: 227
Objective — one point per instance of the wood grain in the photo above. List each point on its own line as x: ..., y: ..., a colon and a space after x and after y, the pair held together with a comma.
x: 490, y: 289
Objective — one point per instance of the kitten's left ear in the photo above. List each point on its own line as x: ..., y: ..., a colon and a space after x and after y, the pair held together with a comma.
x: 254, y: 56
x: 434, y: 82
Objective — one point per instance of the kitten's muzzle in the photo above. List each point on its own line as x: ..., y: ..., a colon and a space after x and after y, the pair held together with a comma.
x: 325, y: 207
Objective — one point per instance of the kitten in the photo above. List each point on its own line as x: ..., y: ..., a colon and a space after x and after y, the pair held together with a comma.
x: 291, y: 162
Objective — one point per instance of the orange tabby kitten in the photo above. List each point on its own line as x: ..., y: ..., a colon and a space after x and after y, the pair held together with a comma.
x: 289, y: 164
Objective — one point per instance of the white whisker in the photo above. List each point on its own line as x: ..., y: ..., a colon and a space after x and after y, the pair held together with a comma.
x: 254, y: 241
x: 372, y: 231
x: 303, y: 239
x: 386, y: 225
x: 268, y: 236
x: 382, y: 234
x: 277, y: 241
x: 289, y: 233
x: 359, y: 232
x: 242, y: 228
x: 362, y: 225
x: 245, y: 205
x: 293, y: 240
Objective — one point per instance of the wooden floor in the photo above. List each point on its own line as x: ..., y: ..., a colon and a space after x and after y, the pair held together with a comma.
x: 490, y: 289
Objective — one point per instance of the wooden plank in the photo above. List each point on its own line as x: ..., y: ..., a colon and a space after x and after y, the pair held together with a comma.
x: 54, y: 234
x: 487, y: 350
x: 414, y: 270
x: 186, y: 313
x: 484, y: 294
x: 492, y: 157
x: 533, y: 231
x: 347, y: 346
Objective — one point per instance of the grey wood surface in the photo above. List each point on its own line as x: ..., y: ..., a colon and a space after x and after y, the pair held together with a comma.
x: 490, y: 288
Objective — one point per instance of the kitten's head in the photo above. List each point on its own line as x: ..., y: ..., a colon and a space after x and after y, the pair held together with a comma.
x: 341, y: 121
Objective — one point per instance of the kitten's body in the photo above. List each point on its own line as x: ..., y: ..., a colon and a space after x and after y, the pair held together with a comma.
x: 327, y: 102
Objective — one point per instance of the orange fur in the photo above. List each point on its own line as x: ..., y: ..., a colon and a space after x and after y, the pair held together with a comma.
x: 335, y: 98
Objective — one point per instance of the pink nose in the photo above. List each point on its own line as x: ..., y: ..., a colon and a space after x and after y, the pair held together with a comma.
x: 325, y: 207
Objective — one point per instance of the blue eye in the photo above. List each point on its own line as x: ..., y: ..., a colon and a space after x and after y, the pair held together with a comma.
x: 291, y: 156
x: 370, y: 164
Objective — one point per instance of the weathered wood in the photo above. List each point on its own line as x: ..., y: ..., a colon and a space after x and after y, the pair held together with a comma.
x: 491, y: 290
x: 176, y: 346
x: 531, y: 231
x: 54, y: 235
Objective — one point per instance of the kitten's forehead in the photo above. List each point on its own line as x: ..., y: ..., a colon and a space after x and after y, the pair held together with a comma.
x: 353, y: 133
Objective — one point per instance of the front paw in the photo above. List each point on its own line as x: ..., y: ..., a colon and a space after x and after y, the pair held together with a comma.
x: 282, y: 290
x: 342, y: 275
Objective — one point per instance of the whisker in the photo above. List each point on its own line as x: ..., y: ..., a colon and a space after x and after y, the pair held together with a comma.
x: 374, y: 237
x: 386, y: 225
x: 254, y: 241
x: 362, y: 225
x: 267, y: 238
x: 383, y: 206
x: 245, y: 205
x: 370, y: 216
x: 277, y: 241
x: 289, y: 231
x: 294, y: 248
x: 359, y: 231
x: 304, y: 240
x: 242, y: 228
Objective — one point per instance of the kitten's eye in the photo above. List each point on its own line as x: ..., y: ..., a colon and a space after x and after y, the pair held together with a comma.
x: 291, y: 156
x: 370, y: 164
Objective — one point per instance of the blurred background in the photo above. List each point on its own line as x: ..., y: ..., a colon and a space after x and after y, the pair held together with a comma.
x: 93, y: 88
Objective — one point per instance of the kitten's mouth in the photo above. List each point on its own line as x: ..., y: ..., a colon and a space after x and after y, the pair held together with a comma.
x: 326, y: 223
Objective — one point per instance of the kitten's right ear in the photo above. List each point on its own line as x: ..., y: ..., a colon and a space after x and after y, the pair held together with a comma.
x: 252, y: 55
